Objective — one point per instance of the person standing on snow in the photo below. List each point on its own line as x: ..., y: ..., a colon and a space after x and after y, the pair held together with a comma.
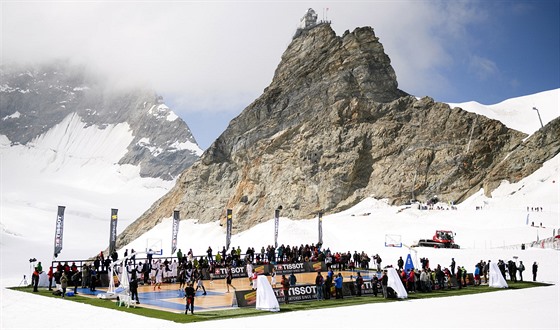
x: 50, y: 274
x: 133, y: 286
x: 459, y: 277
x: 452, y: 266
x: 179, y: 255
x: 359, y: 284
x: 319, y: 285
x: 535, y: 268
x: 338, y: 286
x: 384, y: 282
x: 35, y: 279
x: 521, y: 268
x: 209, y: 254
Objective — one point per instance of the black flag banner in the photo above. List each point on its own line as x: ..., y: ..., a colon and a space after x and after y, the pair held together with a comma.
x: 59, y: 231
x: 175, y: 231
x: 228, y: 228
x: 276, y: 224
x: 320, y: 228
x: 113, y: 233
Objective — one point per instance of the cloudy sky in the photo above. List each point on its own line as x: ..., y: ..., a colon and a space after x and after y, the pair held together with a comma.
x: 211, y: 59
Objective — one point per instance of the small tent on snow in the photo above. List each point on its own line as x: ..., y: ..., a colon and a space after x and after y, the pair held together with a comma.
x: 266, y: 299
x: 496, y: 279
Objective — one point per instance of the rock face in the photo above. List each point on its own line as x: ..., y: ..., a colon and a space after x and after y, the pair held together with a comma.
x: 527, y: 158
x: 333, y: 128
x: 33, y: 100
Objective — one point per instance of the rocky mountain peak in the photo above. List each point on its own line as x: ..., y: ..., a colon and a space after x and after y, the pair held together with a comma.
x: 317, y: 70
x: 332, y: 129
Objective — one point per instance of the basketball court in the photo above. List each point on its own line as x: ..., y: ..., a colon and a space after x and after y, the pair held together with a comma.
x: 171, y: 299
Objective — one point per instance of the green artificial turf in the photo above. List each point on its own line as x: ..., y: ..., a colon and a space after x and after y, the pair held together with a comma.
x: 298, y: 306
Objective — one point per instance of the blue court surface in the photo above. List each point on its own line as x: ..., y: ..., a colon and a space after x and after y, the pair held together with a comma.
x: 170, y: 298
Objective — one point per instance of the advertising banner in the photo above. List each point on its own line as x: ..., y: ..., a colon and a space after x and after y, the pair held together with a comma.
x: 276, y: 224
x: 113, y: 231
x: 302, y: 292
x: 236, y: 272
x: 305, y: 292
x: 58, y: 233
x: 316, y: 266
x: 174, y: 231
x: 298, y: 267
x: 228, y: 228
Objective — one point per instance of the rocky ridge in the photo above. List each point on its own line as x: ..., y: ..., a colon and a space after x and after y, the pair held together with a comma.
x: 333, y: 128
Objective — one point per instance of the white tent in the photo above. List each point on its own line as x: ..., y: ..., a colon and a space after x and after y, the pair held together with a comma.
x: 394, y: 282
x: 266, y: 299
x: 496, y: 279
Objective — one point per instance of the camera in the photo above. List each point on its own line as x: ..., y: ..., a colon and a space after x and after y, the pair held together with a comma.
x: 32, y: 260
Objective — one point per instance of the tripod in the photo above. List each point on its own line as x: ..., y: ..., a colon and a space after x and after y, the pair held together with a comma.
x: 23, y: 281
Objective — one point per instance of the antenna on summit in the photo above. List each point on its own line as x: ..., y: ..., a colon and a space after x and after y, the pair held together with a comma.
x: 325, y: 15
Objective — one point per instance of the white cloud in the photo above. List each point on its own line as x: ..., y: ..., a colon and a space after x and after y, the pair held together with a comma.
x: 217, y: 57
x: 482, y: 67
x: 213, y: 55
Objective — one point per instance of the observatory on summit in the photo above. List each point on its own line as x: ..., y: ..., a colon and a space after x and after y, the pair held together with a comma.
x: 309, y: 21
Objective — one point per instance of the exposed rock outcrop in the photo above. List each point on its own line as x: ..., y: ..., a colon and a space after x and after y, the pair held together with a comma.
x: 333, y: 128
x: 527, y: 158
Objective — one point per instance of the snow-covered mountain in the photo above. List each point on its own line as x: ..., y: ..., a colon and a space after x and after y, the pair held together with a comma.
x: 487, y: 228
x: 518, y: 113
x: 68, y: 138
x: 72, y: 112
x: 490, y: 233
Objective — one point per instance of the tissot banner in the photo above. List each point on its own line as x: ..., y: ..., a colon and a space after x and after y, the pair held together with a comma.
x: 59, y: 231
x: 297, y: 267
x: 236, y: 272
x: 228, y: 228
x: 113, y: 233
x: 174, y: 231
x: 276, y: 224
